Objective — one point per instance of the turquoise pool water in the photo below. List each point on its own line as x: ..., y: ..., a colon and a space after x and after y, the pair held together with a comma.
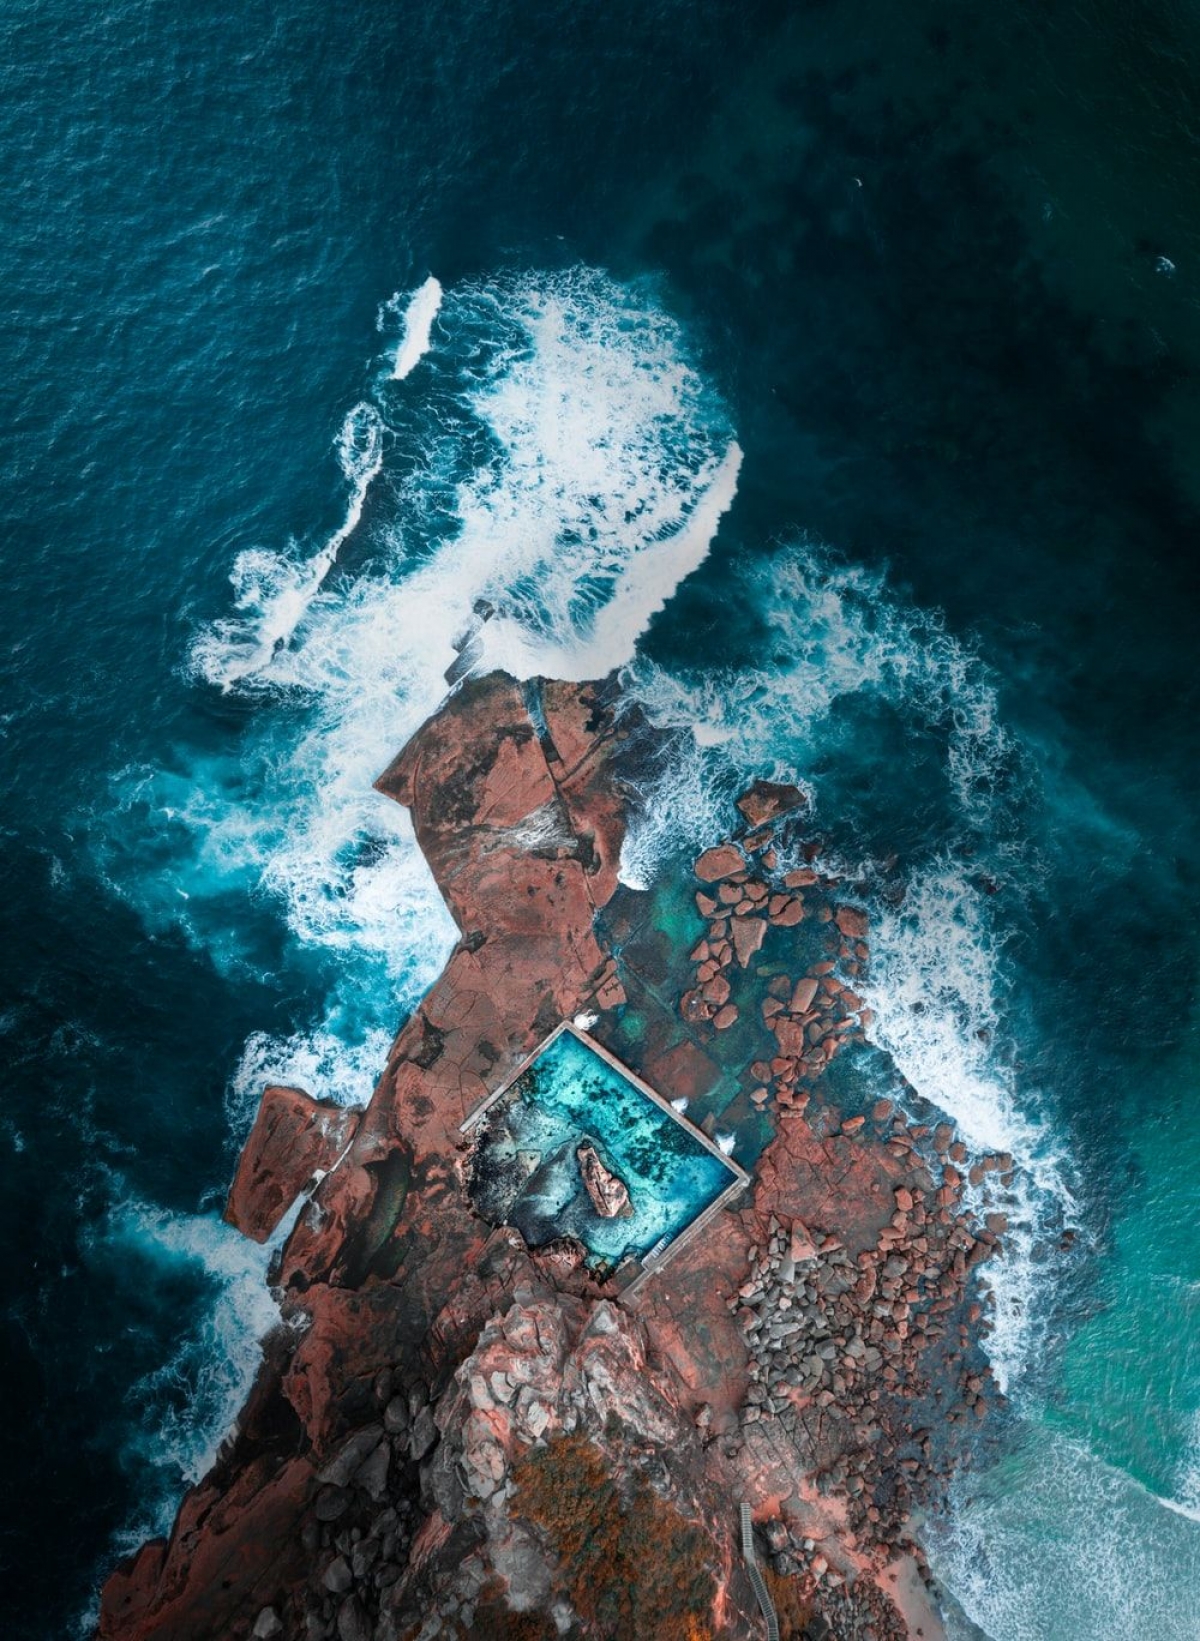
x: 526, y: 1170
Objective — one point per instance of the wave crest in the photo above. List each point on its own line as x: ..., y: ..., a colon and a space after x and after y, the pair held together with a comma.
x: 880, y: 713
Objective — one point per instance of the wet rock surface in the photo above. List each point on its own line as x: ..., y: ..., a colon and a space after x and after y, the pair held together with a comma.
x: 294, y: 1142
x: 609, y: 1195
x: 446, y: 1420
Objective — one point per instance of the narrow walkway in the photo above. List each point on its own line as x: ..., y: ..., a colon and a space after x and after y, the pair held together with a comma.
x: 765, y: 1603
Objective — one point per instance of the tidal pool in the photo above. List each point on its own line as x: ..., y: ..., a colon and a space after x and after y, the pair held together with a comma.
x: 526, y: 1169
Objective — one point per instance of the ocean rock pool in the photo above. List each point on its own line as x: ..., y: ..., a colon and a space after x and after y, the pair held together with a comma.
x: 526, y: 1167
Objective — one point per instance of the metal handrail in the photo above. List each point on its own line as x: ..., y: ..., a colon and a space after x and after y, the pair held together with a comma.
x: 757, y: 1582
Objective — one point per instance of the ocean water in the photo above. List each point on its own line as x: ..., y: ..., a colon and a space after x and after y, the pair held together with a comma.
x: 835, y: 372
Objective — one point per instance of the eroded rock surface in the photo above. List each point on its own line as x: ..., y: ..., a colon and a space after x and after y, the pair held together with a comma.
x: 454, y: 1435
x: 294, y: 1142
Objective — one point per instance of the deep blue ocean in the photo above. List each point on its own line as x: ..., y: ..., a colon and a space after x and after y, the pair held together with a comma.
x: 832, y: 368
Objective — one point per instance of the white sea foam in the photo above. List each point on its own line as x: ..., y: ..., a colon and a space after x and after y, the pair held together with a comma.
x: 556, y: 469
x: 272, y: 591
x: 188, y: 1405
x: 834, y: 632
x: 321, y: 1061
x: 643, y: 586
x: 837, y: 635
x: 933, y: 983
x: 1054, y: 1542
x: 419, y: 314
x: 1186, y: 1498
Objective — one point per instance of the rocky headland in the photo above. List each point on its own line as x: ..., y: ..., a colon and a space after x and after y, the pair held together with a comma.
x: 453, y: 1434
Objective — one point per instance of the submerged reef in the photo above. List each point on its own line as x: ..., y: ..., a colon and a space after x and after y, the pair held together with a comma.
x: 462, y: 1431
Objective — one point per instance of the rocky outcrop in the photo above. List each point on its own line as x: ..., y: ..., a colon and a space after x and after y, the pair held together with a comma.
x: 384, y: 1271
x: 293, y: 1144
x: 768, y: 800
x: 454, y: 1435
x: 609, y: 1195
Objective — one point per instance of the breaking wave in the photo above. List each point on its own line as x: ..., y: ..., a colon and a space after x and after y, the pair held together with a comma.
x: 188, y: 1405
x: 831, y: 635
x: 1186, y: 1499
x: 545, y: 482
x: 416, y: 326
x: 1054, y: 1542
x: 882, y: 714
x: 555, y: 471
x: 272, y: 591
x: 935, y: 982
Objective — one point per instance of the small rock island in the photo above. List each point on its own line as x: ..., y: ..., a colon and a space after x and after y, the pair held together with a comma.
x: 472, y: 1421
x: 609, y: 1195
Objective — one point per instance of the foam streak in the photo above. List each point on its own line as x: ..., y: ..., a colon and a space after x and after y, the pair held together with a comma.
x: 419, y: 316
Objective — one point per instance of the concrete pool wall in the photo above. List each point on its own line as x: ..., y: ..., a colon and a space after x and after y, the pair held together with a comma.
x: 572, y: 1089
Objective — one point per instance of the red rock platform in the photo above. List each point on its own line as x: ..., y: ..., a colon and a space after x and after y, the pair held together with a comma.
x: 375, y: 1481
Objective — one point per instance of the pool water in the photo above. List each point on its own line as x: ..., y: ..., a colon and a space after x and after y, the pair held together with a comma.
x: 526, y: 1169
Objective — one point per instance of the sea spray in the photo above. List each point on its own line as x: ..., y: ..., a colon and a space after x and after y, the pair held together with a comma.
x: 273, y: 591
x: 420, y: 311
x: 834, y: 638
x: 343, y: 1065
x: 840, y: 653
x: 547, y: 501
x: 549, y: 476
x: 935, y: 984
x: 188, y: 1404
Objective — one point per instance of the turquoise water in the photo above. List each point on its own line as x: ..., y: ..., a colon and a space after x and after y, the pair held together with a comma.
x: 571, y: 1095
x: 833, y: 369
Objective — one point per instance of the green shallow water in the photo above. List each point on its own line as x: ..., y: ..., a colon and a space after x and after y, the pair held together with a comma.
x: 1135, y: 1406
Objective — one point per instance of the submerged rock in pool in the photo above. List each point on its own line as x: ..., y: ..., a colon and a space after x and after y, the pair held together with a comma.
x: 609, y: 1194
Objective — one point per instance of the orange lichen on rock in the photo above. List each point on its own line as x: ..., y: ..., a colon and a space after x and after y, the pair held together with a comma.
x: 633, y: 1567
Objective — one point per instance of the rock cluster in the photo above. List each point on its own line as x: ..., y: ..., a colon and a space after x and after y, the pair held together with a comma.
x: 811, y: 1015
x: 548, y: 1367
x: 806, y: 1353
x: 852, y: 1333
x: 863, y: 1348
x: 412, y: 1528
x: 362, y: 1523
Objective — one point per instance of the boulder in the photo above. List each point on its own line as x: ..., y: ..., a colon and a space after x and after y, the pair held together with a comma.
x: 803, y: 995
x: 352, y: 1621
x: 788, y: 915
x: 722, y: 862
x: 748, y: 936
x: 716, y: 990
x: 608, y: 1193
x: 337, y: 1577
x: 295, y: 1139
x: 332, y: 1502
x: 766, y: 800
x: 851, y: 922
